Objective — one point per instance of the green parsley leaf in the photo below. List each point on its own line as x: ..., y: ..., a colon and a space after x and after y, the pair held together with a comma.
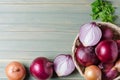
x: 103, y: 10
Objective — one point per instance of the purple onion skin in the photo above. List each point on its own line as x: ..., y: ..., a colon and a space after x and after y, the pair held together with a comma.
x: 107, y: 33
x: 107, y: 51
x: 112, y: 74
x: 106, y: 67
x: 41, y: 68
x: 108, y: 70
x: 86, y: 56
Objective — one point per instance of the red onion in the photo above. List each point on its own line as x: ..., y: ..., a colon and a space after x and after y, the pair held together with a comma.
x: 63, y: 65
x: 111, y: 74
x: 41, y: 68
x: 107, y: 33
x: 90, y: 34
x: 109, y: 71
x: 86, y: 56
x: 105, y: 67
x: 107, y: 51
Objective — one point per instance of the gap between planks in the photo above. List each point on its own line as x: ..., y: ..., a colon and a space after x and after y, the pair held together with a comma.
x: 37, y: 3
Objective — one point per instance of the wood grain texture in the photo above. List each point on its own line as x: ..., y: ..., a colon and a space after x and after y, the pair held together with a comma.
x: 33, y: 28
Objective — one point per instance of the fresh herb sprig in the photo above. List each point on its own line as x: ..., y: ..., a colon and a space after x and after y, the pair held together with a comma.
x: 103, y: 10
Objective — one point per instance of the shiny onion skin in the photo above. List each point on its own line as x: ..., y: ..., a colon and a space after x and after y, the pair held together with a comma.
x: 15, y: 71
x: 41, y: 68
x: 92, y: 72
x: 86, y: 56
x: 107, y: 51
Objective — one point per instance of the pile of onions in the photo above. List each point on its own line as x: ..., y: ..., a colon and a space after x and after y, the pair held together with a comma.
x: 98, y: 52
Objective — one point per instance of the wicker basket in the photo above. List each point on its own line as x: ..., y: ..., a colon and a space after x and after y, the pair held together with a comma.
x: 116, y: 31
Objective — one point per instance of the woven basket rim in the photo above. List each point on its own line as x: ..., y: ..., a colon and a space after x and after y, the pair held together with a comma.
x: 76, y: 42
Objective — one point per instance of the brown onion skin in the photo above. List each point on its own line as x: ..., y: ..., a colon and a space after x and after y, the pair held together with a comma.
x: 15, y: 71
x: 92, y: 72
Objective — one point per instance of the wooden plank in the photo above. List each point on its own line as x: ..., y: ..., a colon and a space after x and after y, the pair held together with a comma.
x: 55, y: 16
x: 40, y: 27
x: 50, y: 36
x: 43, y: 18
x: 30, y: 55
x: 47, y: 1
x: 43, y: 45
x: 52, y: 1
x: 45, y: 8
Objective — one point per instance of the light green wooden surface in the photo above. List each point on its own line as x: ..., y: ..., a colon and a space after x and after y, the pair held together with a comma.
x: 32, y: 28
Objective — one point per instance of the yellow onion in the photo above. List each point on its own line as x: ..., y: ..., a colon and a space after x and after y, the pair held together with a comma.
x: 15, y: 71
x: 92, y: 72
